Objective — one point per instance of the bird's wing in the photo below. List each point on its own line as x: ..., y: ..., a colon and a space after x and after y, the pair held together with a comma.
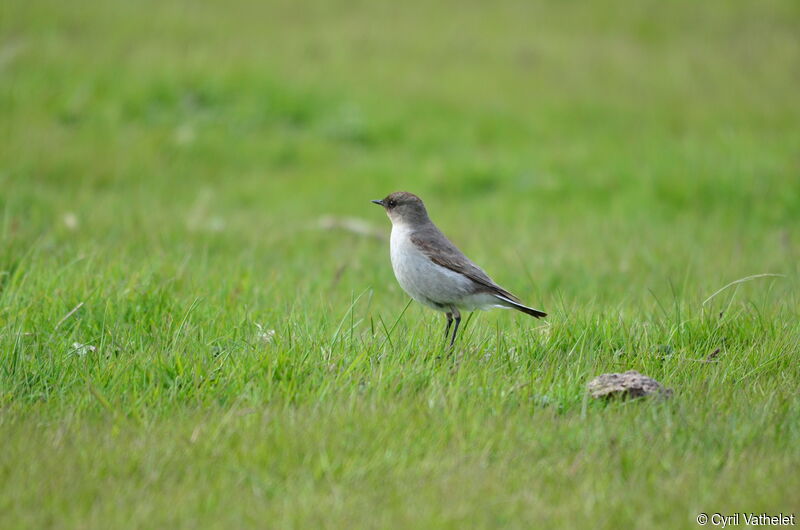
x: 433, y: 243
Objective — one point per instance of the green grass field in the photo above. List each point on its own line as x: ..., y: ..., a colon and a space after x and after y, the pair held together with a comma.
x: 190, y: 338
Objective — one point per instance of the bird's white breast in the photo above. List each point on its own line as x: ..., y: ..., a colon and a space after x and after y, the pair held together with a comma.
x: 425, y: 281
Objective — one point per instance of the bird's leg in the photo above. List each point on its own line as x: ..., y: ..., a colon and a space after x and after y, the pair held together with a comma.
x: 457, y: 315
x: 449, y: 316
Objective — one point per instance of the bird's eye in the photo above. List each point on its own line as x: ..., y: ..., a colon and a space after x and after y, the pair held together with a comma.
x: 391, y: 203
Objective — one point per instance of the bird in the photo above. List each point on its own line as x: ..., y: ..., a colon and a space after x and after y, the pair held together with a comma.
x: 433, y: 271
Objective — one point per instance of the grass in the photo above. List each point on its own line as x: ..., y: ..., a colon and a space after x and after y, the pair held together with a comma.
x: 165, y: 172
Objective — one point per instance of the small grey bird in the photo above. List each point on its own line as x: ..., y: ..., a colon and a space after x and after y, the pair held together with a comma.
x: 433, y: 271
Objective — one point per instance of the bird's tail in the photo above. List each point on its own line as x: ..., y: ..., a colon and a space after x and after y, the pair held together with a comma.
x: 519, y: 307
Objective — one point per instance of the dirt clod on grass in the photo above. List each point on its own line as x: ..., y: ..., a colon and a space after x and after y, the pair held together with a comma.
x: 630, y: 384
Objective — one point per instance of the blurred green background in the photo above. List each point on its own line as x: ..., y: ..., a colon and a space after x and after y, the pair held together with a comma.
x: 177, y: 172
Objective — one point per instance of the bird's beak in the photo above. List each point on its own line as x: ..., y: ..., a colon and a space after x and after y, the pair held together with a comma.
x: 378, y: 201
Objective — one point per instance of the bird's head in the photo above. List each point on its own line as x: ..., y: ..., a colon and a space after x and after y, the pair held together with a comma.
x: 403, y: 207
